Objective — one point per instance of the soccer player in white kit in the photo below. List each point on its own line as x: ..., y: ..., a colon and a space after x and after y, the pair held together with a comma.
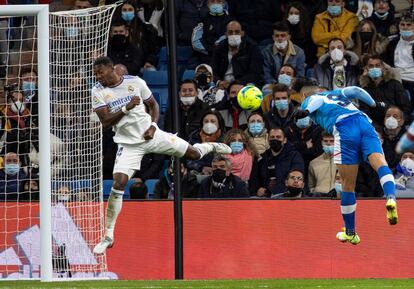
x: 119, y: 102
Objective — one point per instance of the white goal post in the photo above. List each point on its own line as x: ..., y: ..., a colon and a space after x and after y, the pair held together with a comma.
x: 64, y: 75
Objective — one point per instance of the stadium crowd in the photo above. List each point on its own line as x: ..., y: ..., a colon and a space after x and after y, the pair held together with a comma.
x: 289, y: 49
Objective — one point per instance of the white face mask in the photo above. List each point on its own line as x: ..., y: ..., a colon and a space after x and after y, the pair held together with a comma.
x: 210, y: 128
x: 234, y: 40
x: 408, y: 164
x: 18, y: 107
x: 188, y: 100
x: 293, y: 19
x: 337, y: 55
x: 391, y: 123
x: 281, y: 45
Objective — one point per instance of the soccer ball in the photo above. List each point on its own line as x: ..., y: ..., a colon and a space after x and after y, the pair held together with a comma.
x: 250, y: 97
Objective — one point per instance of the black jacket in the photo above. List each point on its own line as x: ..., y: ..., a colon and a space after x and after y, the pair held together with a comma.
x: 388, y: 146
x: 274, y: 120
x: 273, y: 170
x: 387, y: 27
x: 368, y: 184
x: 247, y: 63
x: 189, y: 186
x: 234, y: 187
x: 188, y: 13
x: 130, y: 56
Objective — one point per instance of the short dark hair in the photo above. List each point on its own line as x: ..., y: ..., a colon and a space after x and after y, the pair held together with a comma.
x: 192, y: 81
x: 294, y: 170
x: 221, y: 158
x: 407, y: 17
x: 138, y: 190
x: 234, y: 82
x: 326, y: 134
x: 280, y: 88
x: 27, y: 70
x: 335, y: 39
x: 277, y: 128
x: 281, y: 26
x: 103, y: 60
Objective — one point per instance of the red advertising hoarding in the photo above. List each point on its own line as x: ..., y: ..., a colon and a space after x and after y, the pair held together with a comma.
x: 255, y: 239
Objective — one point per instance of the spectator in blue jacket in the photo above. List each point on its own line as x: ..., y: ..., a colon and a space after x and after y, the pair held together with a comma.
x: 237, y: 58
x: 275, y: 164
x: 282, y: 52
x: 12, y: 177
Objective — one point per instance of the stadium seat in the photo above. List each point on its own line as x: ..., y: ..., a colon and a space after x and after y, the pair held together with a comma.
x: 183, y: 55
x: 150, y: 185
x: 156, y: 78
x: 188, y: 74
x: 161, y: 96
x: 107, y: 185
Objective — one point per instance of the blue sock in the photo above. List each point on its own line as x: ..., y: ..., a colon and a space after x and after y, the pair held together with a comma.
x: 387, y: 181
x: 348, y: 207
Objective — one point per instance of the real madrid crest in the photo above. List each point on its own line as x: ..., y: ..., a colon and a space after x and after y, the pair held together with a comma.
x: 130, y: 88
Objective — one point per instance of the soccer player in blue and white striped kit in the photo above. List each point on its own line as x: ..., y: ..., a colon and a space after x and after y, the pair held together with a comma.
x: 355, y: 140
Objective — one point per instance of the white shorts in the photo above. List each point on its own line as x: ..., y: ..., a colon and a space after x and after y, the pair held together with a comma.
x: 129, y: 156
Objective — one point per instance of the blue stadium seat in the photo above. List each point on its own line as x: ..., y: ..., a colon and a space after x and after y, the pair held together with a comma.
x: 150, y: 185
x: 107, y: 185
x: 161, y: 96
x: 156, y: 78
x: 188, y: 74
x: 183, y: 55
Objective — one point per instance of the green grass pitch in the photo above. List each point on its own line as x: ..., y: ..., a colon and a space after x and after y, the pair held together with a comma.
x: 221, y: 284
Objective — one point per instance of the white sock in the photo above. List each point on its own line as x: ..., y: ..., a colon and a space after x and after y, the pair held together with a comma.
x: 112, y: 211
x: 203, y: 148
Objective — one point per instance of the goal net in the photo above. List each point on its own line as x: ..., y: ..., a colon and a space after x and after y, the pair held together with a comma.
x: 76, y: 38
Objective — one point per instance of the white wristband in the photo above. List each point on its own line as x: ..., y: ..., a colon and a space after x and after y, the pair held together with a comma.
x: 124, y: 110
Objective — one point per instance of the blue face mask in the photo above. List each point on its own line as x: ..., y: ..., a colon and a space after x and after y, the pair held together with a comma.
x: 328, y: 149
x: 72, y: 31
x: 28, y: 86
x: 303, y: 122
x: 11, y: 169
x: 338, y: 188
x: 334, y: 10
x: 406, y: 34
x: 282, y: 104
x: 256, y: 128
x: 236, y: 147
x: 375, y: 72
x: 284, y: 79
x: 381, y: 16
x: 128, y: 16
x: 216, y: 9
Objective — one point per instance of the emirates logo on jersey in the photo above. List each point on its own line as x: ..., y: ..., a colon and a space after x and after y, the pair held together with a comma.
x: 130, y: 88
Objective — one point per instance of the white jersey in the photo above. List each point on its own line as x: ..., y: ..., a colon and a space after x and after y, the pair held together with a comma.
x: 131, y: 127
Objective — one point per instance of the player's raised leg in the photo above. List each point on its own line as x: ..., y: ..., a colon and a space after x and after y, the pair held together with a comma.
x: 112, y: 211
x: 198, y: 150
x: 348, y: 174
x: 379, y: 164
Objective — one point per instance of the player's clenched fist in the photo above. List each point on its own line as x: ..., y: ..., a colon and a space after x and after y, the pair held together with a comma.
x: 135, y: 100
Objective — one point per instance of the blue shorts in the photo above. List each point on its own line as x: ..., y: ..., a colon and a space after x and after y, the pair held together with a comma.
x: 355, y: 140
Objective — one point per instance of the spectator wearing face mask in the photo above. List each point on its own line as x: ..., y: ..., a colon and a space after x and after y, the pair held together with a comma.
x: 28, y: 84
x: 322, y: 170
x: 281, y: 108
x: 335, y: 23
x: 295, y: 186
x: 191, y: 110
x: 211, y: 129
x: 222, y: 183
x: 122, y: 50
x: 281, y: 52
x: 233, y: 115
x: 383, y: 18
x: 12, y: 177
x: 275, y: 163
x: 338, y: 68
x: 392, y: 132
x: 142, y: 34
x: 208, y: 92
x: 306, y: 137
x: 257, y: 132
x: 209, y: 32
x: 243, y: 153
x: 237, y: 58
x: 404, y: 176
x: 188, y: 13
x: 381, y: 82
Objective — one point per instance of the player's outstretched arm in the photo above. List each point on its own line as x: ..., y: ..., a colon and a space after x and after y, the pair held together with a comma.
x: 109, y: 119
x: 355, y: 92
